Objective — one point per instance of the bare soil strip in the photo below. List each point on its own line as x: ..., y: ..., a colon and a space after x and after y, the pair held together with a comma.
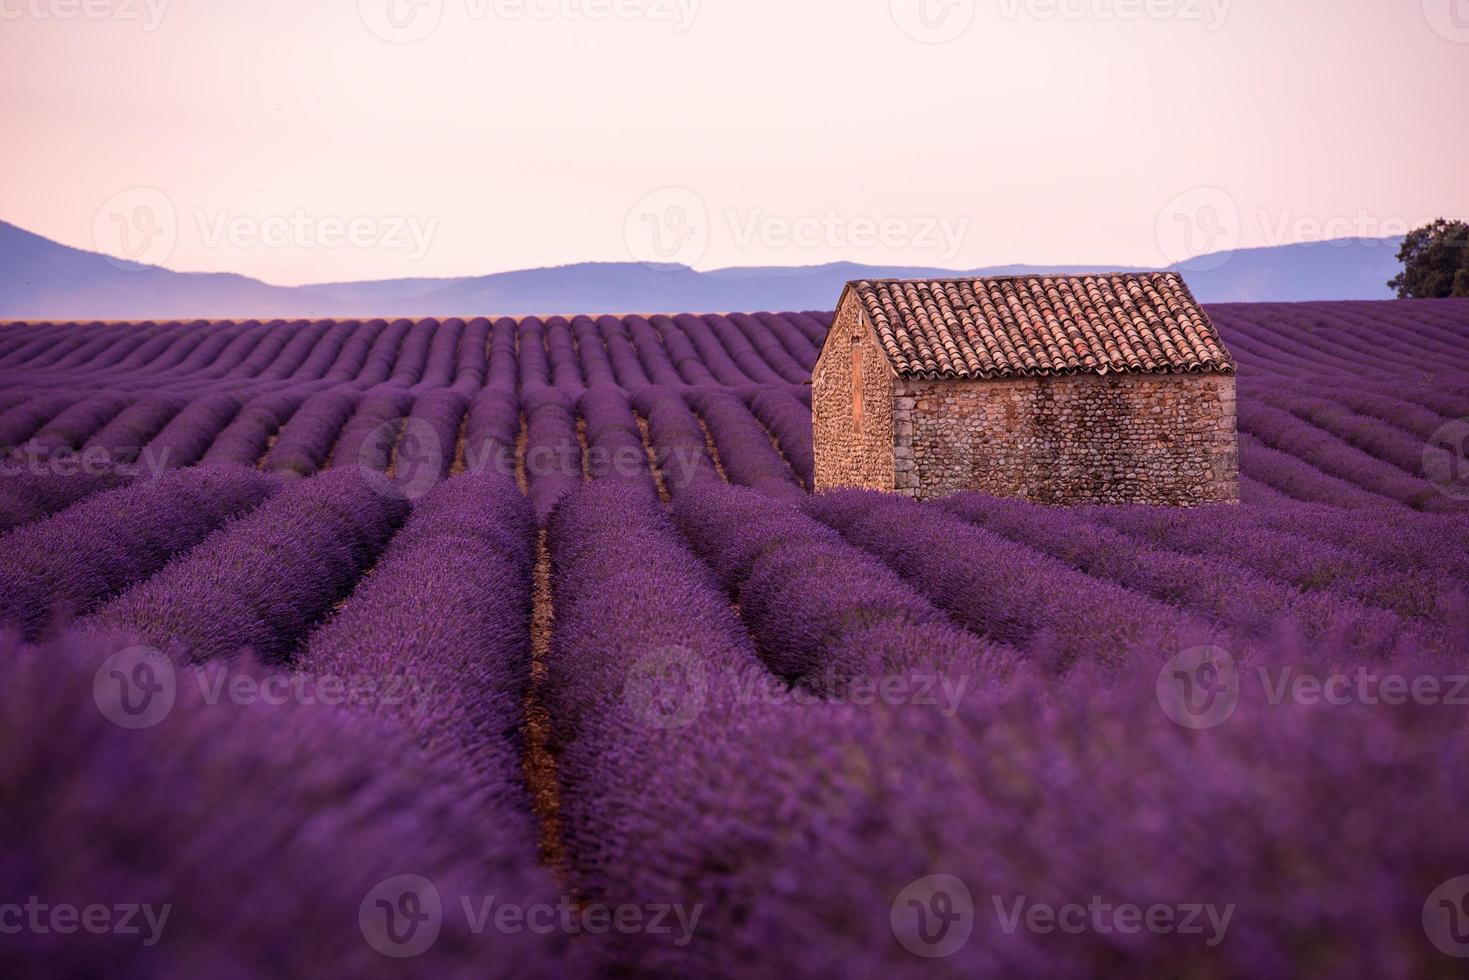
x: 540, y: 764
x: 581, y: 437
x: 713, y: 452
x: 521, y: 440
x: 663, y: 496
x: 458, y: 466
x: 269, y: 445
x: 779, y: 451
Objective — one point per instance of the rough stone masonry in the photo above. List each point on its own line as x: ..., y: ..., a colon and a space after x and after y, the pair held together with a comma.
x: 1087, y: 438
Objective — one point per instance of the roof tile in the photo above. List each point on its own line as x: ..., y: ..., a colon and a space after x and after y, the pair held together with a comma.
x: 1033, y: 326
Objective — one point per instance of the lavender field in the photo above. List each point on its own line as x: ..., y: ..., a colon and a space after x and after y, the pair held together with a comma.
x: 523, y: 648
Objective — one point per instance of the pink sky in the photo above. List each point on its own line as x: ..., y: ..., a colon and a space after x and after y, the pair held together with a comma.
x: 301, y: 141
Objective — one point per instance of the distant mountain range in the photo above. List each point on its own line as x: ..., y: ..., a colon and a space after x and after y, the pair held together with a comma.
x: 42, y: 279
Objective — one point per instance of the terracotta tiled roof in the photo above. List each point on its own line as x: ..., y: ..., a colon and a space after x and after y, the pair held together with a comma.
x: 1031, y: 326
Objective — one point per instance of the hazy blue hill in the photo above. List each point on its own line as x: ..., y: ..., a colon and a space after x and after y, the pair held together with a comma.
x: 41, y: 279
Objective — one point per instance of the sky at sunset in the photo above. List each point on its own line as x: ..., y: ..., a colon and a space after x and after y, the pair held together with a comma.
x: 318, y: 140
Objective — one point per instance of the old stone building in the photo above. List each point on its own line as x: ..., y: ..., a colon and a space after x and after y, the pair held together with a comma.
x: 1056, y: 389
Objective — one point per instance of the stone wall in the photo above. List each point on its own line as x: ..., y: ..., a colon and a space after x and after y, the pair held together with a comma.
x: 1154, y: 439
x: 852, y: 406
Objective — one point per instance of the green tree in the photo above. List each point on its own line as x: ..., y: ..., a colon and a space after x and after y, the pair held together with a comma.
x: 1435, y: 262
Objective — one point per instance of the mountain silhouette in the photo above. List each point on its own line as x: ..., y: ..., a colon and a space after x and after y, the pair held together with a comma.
x: 42, y: 279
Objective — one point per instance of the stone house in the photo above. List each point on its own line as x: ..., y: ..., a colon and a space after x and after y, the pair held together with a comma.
x: 1057, y: 389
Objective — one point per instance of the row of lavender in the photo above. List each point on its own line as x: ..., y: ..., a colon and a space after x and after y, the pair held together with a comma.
x: 709, y: 668
x: 631, y: 352
x: 762, y: 435
x: 1344, y: 446
x: 1018, y: 753
x: 771, y: 617
x: 263, y: 707
x: 303, y: 399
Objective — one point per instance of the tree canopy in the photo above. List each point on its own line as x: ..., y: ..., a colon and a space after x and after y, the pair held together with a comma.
x: 1435, y: 262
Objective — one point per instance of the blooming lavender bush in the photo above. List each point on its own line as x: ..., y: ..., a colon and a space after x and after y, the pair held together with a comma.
x: 440, y: 631
x: 842, y: 735
x: 69, y: 431
x: 27, y: 496
x: 307, y: 440
x: 124, y: 437
x: 260, y: 837
x: 222, y: 600
x: 790, y: 422
x: 680, y: 447
x: 246, y: 439
x: 63, y: 567
x: 821, y: 612
x: 745, y: 449
x: 371, y: 432
x: 1006, y: 592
